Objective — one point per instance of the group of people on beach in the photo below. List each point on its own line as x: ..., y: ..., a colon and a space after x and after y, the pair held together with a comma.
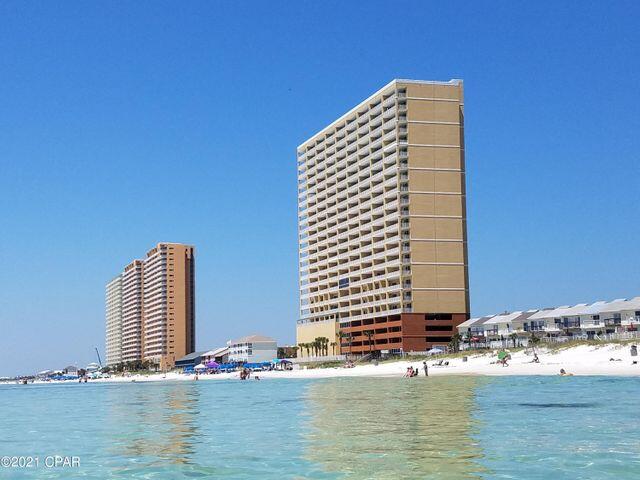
x: 414, y: 372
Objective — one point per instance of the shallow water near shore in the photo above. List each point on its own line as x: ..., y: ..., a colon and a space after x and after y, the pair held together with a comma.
x: 340, y: 428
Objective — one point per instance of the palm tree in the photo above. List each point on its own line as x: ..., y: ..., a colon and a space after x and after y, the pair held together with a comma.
x: 514, y: 338
x: 369, y: 334
x: 324, y: 342
x: 306, y: 346
x: 534, y: 340
x: 333, y: 348
x: 454, y: 344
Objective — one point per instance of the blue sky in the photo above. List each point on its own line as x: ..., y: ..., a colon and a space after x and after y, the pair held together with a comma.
x: 127, y: 123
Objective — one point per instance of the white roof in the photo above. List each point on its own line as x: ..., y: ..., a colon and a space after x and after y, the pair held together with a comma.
x: 622, y: 304
x: 593, y: 308
x: 549, y: 313
x: 474, y: 321
x: 503, y: 318
x: 251, y: 339
x: 216, y: 353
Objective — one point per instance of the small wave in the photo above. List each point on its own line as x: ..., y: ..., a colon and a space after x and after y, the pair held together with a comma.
x: 559, y: 405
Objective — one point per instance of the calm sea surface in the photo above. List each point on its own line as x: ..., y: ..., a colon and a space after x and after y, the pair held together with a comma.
x: 349, y: 428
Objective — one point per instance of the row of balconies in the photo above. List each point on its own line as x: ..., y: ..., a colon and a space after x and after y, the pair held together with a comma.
x: 357, y: 272
x: 361, y: 190
x: 321, y: 146
x: 356, y: 247
x: 352, y: 221
x: 319, y: 270
x: 371, y: 175
x: 359, y: 234
x: 348, y: 203
x: 332, y: 284
x: 356, y: 223
x: 390, y: 311
x: 364, y: 255
x: 350, y: 183
x: 368, y: 249
x: 343, y: 239
x: 361, y: 157
x: 358, y: 161
x: 356, y: 296
x: 310, y: 167
x: 376, y: 270
x: 353, y: 288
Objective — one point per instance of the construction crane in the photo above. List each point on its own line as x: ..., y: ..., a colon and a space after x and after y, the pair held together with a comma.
x: 98, y: 354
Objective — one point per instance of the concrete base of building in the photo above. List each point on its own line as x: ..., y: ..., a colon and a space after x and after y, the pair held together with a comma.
x: 406, y: 332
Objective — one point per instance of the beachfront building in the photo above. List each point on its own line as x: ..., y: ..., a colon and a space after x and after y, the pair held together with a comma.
x: 132, y: 312
x: 190, y: 361
x: 252, y: 349
x: 618, y: 318
x: 113, y: 340
x: 169, y: 304
x: 382, y: 222
x: 157, y: 298
x: 219, y: 355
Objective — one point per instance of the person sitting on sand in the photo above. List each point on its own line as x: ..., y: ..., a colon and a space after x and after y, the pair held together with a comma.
x: 563, y: 373
x: 415, y: 372
x: 409, y: 372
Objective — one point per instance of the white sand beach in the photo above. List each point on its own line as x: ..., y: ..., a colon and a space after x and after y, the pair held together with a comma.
x: 579, y: 360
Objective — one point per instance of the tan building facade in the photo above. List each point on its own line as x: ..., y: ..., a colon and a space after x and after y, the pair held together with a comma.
x: 158, y: 313
x: 132, y: 312
x: 382, y: 220
x: 308, y: 332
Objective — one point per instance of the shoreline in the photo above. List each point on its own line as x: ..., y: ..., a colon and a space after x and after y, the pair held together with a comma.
x: 579, y: 361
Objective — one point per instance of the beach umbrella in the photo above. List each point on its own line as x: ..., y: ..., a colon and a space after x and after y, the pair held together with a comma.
x: 502, y: 355
x: 199, y: 367
x: 213, y: 364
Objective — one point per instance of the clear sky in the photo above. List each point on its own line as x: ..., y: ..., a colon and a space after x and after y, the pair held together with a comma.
x: 123, y: 124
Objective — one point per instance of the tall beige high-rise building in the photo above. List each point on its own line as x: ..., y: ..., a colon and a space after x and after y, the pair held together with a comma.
x: 157, y: 296
x: 169, y: 303
x: 382, y: 222
x: 132, y: 312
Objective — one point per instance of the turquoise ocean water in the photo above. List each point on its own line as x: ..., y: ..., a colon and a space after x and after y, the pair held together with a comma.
x: 349, y: 428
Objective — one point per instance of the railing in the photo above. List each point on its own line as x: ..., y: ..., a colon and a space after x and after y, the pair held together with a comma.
x: 327, y: 358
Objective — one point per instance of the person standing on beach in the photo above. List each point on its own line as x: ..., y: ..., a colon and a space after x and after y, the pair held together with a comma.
x: 425, y: 368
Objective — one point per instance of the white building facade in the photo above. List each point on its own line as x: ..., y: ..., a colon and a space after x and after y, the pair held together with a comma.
x: 619, y: 317
x: 113, y: 340
x: 252, y: 349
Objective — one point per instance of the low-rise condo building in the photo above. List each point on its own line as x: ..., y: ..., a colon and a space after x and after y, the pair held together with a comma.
x: 382, y: 222
x: 595, y: 320
x: 252, y: 349
x: 157, y: 314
